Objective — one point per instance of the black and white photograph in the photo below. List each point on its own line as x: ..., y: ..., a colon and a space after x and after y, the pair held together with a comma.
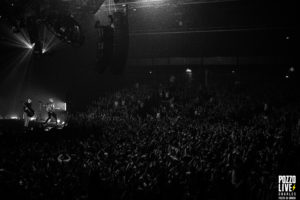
x: 149, y: 100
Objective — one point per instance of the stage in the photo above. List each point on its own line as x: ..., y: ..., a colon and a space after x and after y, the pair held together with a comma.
x: 15, y: 127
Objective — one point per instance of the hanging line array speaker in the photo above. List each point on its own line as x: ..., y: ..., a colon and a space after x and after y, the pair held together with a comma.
x: 112, y: 44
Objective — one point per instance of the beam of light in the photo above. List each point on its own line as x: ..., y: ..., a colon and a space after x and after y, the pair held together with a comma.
x: 156, y: 3
x: 49, y: 41
x: 211, y: 30
x: 20, y: 40
x: 30, y: 46
x: 14, y: 67
x: 15, y: 74
x: 17, y: 71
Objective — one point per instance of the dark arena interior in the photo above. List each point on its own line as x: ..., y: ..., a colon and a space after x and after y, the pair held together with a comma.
x: 149, y: 99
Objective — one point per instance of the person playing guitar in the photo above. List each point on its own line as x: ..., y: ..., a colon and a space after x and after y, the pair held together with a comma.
x: 28, y: 112
x: 50, y: 110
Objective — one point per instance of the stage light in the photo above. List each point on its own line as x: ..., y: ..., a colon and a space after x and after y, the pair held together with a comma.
x: 150, y: 72
x: 233, y: 71
x: 20, y: 40
x: 188, y: 70
x: 32, y: 118
x: 14, y: 117
x: 61, y: 106
x: 30, y: 46
x: 48, y: 41
x: 292, y: 69
x: 58, y: 121
x: 286, y: 76
x: 287, y: 37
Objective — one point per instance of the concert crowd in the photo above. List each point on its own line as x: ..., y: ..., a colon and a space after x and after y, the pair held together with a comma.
x: 171, y: 141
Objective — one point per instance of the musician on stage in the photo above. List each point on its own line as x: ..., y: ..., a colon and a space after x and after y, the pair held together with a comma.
x: 28, y: 112
x: 50, y: 109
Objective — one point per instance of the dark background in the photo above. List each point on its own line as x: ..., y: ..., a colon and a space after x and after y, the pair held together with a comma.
x: 255, y: 38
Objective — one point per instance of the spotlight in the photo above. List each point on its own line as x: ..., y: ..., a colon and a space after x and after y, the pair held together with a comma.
x: 14, y: 117
x: 44, y: 50
x: 292, y: 69
x: 286, y: 76
x: 29, y: 46
x: 188, y: 70
x: 150, y: 72
x: 287, y: 37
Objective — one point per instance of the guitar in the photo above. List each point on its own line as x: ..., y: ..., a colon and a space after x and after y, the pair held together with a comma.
x: 28, y: 110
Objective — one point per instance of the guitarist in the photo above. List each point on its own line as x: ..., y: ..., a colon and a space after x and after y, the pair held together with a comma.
x: 50, y: 110
x: 28, y: 112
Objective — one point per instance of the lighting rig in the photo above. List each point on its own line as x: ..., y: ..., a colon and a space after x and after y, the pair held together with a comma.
x: 31, y: 15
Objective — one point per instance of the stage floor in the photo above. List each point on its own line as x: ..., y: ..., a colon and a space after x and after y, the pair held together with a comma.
x: 16, y: 126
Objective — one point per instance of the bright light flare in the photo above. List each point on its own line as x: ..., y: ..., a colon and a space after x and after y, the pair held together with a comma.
x: 32, y: 118
x: 14, y: 117
x: 61, y: 106
x: 20, y: 40
x: 188, y: 70
x: 30, y: 46
x: 49, y: 41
